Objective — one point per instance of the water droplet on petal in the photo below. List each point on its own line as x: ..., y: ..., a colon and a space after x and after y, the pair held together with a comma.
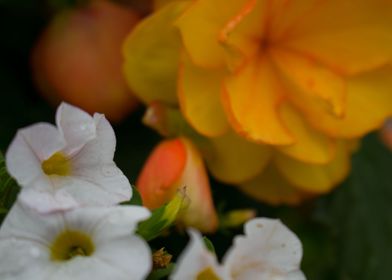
x: 83, y: 127
x: 35, y: 252
x: 109, y: 170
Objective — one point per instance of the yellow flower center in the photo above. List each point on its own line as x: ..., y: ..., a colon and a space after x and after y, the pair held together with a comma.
x: 70, y: 244
x: 207, y: 274
x: 57, y: 164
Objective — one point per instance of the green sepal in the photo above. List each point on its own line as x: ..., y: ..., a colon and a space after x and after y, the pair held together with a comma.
x: 163, y: 217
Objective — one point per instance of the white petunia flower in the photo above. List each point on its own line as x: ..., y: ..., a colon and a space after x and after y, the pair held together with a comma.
x: 69, y: 165
x: 267, y: 251
x: 81, y: 244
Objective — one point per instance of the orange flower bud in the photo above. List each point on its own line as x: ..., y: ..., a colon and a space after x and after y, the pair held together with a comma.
x: 174, y: 164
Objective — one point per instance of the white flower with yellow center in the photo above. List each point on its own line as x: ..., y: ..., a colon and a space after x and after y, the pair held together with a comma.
x: 85, y: 243
x: 268, y: 250
x: 69, y: 165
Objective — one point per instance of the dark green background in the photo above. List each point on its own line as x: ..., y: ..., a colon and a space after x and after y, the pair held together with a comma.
x: 346, y: 234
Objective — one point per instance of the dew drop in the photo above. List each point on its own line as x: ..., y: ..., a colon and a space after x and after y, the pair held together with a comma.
x: 35, y: 252
x: 109, y: 170
x: 83, y: 127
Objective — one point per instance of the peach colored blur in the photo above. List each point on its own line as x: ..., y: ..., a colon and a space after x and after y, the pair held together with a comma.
x: 78, y: 59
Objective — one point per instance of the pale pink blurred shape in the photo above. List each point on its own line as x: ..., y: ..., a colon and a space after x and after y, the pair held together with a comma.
x: 78, y: 59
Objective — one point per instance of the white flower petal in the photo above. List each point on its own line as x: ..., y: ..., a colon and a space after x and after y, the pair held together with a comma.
x: 194, y: 259
x: 107, y: 222
x: 23, y: 259
x: 268, y: 248
x: 94, y: 163
x: 22, y: 223
x: 82, y: 268
x: 26, y: 238
x: 29, y: 148
x: 82, y: 191
x: 109, y: 179
x: 101, y: 149
x: 45, y: 200
x: 77, y: 126
x: 130, y: 255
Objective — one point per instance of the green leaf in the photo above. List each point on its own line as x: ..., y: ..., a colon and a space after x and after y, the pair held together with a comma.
x: 161, y: 273
x: 209, y: 245
x: 136, y: 198
x: 359, y: 216
x: 162, y: 218
x: 9, y: 189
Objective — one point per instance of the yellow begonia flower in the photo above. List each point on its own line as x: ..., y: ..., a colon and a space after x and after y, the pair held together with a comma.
x: 281, y: 88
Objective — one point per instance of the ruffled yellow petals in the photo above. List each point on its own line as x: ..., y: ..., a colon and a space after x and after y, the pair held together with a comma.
x: 315, y: 178
x: 273, y: 93
x: 232, y: 159
x: 200, y: 26
x: 350, y: 36
x: 271, y: 187
x: 242, y: 34
x: 252, y: 99
x: 369, y: 103
x: 151, y: 54
x: 199, y: 97
x: 310, y: 145
x: 313, y: 79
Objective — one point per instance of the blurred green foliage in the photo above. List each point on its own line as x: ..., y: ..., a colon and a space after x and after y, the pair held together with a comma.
x: 9, y: 189
x: 358, y: 216
x: 346, y: 234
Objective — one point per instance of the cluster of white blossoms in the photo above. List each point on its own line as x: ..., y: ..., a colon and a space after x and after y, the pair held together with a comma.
x: 67, y: 224
x: 268, y: 250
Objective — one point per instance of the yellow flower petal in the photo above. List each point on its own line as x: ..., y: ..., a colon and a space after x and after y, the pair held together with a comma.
x: 242, y: 35
x: 159, y: 4
x: 200, y: 26
x: 315, y: 178
x: 151, y: 54
x: 285, y: 15
x: 350, y: 36
x: 310, y: 146
x: 369, y: 103
x: 199, y: 96
x: 251, y: 98
x: 313, y: 79
x: 271, y: 187
x: 232, y: 159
